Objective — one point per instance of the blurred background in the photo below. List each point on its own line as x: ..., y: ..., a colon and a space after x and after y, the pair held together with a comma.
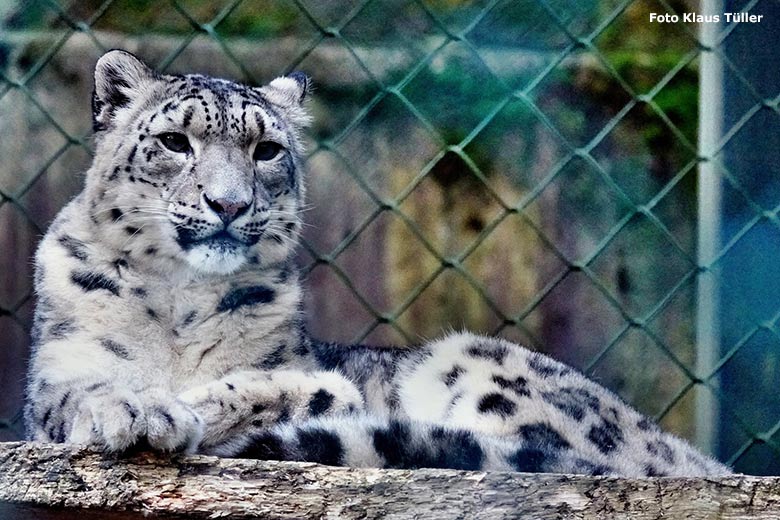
x: 562, y: 173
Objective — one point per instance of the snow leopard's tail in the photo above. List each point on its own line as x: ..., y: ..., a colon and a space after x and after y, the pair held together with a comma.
x: 361, y: 441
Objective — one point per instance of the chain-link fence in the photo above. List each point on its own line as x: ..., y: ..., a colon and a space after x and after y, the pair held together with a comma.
x: 526, y: 168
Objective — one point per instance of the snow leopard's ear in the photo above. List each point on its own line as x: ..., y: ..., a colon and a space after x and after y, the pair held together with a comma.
x: 119, y: 76
x: 289, y: 92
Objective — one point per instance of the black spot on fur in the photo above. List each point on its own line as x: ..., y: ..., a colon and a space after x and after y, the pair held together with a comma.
x: 590, y: 400
x: 115, y: 82
x: 162, y: 412
x: 265, y: 446
x: 138, y: 291
x: 46, y: 417
x: 151, y: 313
x: 95, y: 386
x: 206, y: 351
x: 444, y: 448
x: 114, y: 97
x: 542, y: 366
x: 131, y: 156
x: 115, y: 348
x: 244, y: 296
x: 187, y: 116
x: 606, y: 437
x: 543, y: 436
x: 646, y: 425
x: 170, y: 105
x: 75, y: 248
x: 320, y: 402
x: 457, y: 449
x: 451, y: 377
x: 284, y: 415
x: 150, y: 251
x: 65, y: 399
x: 259, y: 408
x: 230, y: 387
x: 272, y: 360
x: 130, y: 409
x: 661, y: 449
x: 488, y: 351
x: 590, y: 468
x: 496, y: 403
x: 132, y: 230
x: 301, y: 348
x: 97, y: 108
x: 59, y: 435
x: 529, y: 460
x: 61, y: 330
x: 612, y: 414
x: 652, y: 471
x: 189, y: 318
x: 285, y: 273
x: 519, y: 385
x: 320, y: 446
x: 565, y: 401
x: 94, y: 281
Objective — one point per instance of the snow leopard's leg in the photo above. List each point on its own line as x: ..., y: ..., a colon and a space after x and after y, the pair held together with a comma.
x: 244, y: 403
x: 364, y: 441
x: 75, y: 395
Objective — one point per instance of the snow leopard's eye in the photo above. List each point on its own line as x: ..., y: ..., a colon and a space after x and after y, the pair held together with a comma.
x: 266, y: 150
x: 175, y: 142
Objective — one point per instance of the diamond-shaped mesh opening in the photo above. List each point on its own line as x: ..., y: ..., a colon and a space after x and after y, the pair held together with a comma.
x: 523, y: 23
x: 408, y: 36
x: 750, y: 295
x: 578, y: 337
x: 673, y: 207
x: 529, y: 153
x: 638, y: 247
x: 455, y: 93
x: 668, y: 324
x: 642, y: 365
x: 388, y: 157
x: 763, y: 190
x: 327, y: 225
x: 587, y: 210
x: 520, y: 167
x: 644, y: 58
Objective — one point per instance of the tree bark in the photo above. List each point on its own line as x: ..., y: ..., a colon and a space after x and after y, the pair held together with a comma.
x: 59, y: 481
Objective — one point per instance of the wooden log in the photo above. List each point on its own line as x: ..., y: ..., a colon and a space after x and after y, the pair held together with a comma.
x: 44, y: 481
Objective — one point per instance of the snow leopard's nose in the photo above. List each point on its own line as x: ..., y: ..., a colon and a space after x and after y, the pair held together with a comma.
x: 227, y: 210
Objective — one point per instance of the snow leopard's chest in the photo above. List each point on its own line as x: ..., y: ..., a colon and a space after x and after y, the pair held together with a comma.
x: 177, y: 332
x: 206, y: 332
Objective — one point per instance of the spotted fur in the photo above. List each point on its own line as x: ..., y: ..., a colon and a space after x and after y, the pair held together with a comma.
x: 169, y: 312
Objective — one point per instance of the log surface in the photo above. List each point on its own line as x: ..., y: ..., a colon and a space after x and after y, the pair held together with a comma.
x: 61, y: 481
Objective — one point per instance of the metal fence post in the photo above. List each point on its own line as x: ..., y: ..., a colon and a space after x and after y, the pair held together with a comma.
x: 709, y: 209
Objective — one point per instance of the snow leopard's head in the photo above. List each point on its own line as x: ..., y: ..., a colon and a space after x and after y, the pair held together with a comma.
x: 196, y: 168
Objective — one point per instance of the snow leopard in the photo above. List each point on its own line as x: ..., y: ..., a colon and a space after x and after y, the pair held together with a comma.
x: 170, y: 315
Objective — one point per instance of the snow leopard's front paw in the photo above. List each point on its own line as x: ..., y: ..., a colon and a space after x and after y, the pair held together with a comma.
x: 245, y: 402
x: 171, y: 425
x: 113, y: 421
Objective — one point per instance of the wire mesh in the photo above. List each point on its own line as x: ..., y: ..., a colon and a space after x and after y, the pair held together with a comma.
x: 557, y: 41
